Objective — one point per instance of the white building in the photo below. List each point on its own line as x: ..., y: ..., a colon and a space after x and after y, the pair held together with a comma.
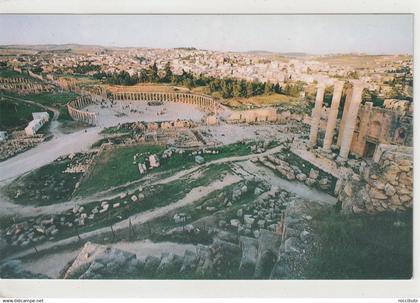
x: 41, y: 116
x: 33, y: 127
x: 3, y: 135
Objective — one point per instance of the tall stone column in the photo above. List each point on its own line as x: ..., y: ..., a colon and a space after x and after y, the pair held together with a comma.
x: 344, y: 115
x: 332, y: 116
x: 350, y: 121
x: 316, y: 114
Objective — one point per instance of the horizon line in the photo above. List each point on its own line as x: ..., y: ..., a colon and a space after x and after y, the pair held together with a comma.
x: 203, y: 49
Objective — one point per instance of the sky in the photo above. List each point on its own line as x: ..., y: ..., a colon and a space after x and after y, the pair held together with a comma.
x: 312, y: 34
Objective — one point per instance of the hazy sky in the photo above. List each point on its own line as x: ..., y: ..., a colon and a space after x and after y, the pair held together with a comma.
x: 374, y: 34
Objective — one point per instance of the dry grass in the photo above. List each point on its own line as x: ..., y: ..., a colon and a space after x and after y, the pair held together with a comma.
x: 264, y: 100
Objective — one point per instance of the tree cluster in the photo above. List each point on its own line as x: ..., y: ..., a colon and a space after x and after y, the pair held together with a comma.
x: 225, y: 87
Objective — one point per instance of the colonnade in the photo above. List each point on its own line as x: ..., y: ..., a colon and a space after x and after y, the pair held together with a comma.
x: 348, y: 120
x: 75, y: 112
x: 23, y: 87
x: 14, y: 80
x: 202, y: 101
x: 74, y: 107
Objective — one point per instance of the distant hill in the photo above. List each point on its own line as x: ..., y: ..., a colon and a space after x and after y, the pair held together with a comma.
x: 268, y: 53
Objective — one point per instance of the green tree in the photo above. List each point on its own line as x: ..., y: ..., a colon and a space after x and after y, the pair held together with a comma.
x: 249, y: 89
x: 153, y: 73
x: 268, y: 88
x: 168, y: 73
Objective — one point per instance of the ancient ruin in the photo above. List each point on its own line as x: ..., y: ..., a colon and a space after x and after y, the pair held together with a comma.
x: 362, y: 127
x: 207, y: 166
x: 205, y: 102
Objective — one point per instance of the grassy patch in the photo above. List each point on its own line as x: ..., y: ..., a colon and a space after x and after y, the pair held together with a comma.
x: 115, y: 167
x: 16, y: 115
x: 263, y: 100
x: 363, y: 247
x: 44, y: 186
x: 56, y: 99
x: 155, y: 197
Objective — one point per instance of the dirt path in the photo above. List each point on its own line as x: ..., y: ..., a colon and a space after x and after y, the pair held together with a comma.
x: 141, y: 218
x: 47, y: 152
x: 53, y: 109
x: 29, y: 211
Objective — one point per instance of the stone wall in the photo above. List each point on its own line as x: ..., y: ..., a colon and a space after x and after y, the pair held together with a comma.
x: 386, y: 184
x: 253, y: 115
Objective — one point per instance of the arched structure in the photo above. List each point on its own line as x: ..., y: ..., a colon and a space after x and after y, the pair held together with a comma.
x: 75, y: 110
x: 97, y: 94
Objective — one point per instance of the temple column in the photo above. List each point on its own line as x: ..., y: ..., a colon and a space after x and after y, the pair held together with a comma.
x: 332, y: 116
x: 350, y: 121
x: 343, y: 116
x: 316, y: 114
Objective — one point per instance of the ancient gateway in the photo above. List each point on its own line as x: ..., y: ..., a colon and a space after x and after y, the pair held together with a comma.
x: 362, y: 127
x: 91, y: 96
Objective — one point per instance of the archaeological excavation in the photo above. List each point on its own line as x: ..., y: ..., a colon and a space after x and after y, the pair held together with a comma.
x: 156, y: 172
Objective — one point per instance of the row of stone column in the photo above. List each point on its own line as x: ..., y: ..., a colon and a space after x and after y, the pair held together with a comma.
x: 199, y: 100
x: 23, y: 86
x: 348, y: 120
x: 75, y: 113
x: 14, y: 80
x: 78, y: 115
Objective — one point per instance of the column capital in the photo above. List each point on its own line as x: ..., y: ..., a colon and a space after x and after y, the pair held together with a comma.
x: 359, y: 84
x: 321, y: 85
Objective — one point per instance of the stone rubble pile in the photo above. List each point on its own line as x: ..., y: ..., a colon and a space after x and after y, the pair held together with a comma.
x: 18, y: 144
x: 292, y: 172
x: 384, y: 185
x: 264, y: 213
x: 263, y: 255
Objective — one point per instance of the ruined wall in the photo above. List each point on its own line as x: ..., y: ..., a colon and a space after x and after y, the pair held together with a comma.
x: 254, y: 115
x: 375, y: 125
x: 384, y: 185
x: 378, y: 125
